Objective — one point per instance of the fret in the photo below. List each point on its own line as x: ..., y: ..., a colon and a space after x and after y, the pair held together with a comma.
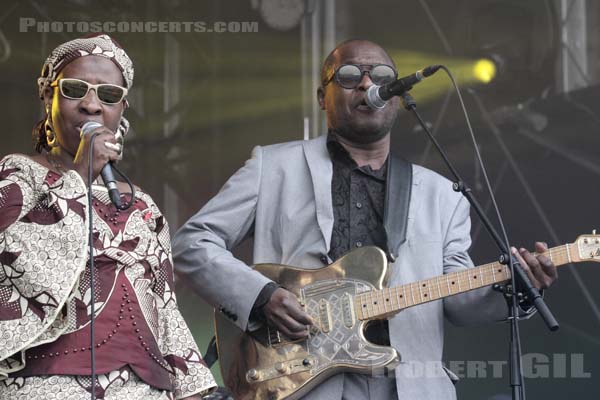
x: 412, y: 294
x: 491, y: 269
x: 448, y: 283
x: 363, y: 306
x: 430, y: 294
x: 370, y: 304
x: 407, y: 295
x: 377, y: 303
x: 386, y: 299
x: 390, y: 300
x: 569, y: 253
x: 490, y: 274
x: 469, y: 280
x: 439, y: 288
x: 420, y: 292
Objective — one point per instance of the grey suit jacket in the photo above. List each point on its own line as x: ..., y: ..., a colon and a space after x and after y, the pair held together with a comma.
x: 282, y: 196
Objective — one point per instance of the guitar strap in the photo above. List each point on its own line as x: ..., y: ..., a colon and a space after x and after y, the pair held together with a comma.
x: 211, y: 355
x: 397, y: 202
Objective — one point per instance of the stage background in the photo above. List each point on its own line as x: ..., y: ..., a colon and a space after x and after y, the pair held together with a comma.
x: 202, y: 100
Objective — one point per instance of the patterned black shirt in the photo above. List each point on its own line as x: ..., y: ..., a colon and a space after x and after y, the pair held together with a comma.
x: 358, y: 198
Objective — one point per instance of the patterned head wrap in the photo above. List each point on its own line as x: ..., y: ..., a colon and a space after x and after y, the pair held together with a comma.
x: 101, y: 45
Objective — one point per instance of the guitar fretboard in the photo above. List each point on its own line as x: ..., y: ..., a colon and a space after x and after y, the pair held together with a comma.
x: 381, y: 303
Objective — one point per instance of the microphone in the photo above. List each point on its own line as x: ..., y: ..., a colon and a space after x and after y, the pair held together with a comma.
x: 107, y: 172
x: 377, y: 96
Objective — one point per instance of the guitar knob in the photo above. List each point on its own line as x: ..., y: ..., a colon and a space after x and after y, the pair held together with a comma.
x: 306, y: 362
x: 253, y: 374
x: 280, y: 367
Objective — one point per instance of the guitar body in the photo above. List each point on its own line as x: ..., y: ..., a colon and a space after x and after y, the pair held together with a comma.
x: 266, y: 365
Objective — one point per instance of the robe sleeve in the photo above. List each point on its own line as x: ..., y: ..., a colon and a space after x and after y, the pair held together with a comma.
x: 42, y: 253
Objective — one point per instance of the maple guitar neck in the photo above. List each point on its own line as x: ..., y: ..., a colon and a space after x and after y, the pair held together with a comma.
x: 382, y: 303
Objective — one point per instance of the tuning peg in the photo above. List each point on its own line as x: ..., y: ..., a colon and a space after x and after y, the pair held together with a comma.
x: 594, y: 232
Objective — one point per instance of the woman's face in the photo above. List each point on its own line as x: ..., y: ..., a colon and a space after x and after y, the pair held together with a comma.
x: 68, y: 115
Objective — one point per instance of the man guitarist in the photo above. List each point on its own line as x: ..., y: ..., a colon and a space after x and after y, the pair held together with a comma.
x: 306, y: 203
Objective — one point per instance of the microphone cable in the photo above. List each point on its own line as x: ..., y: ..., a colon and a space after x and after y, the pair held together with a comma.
x: 91, y: 254
x: 490, y: 191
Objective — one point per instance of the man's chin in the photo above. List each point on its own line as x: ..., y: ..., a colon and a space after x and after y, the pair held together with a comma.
x: 364, y: 133
x: 362, y: 137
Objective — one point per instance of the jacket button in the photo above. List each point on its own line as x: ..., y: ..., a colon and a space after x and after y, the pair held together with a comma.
x: 324, y: 259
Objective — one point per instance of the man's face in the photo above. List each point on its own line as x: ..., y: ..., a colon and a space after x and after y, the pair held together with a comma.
x: 347, y: 113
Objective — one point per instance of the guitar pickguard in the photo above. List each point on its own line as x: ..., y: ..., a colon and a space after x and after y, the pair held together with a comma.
x: 342, y: 341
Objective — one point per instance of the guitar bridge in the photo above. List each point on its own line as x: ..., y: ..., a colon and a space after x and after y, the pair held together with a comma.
x: 274, y: 336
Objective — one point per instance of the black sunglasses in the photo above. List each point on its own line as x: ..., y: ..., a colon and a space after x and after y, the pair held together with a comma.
x: 349, y: 76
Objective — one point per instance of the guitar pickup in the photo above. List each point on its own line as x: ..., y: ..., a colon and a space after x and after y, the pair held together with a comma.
x: 348, y: 310
x: 324, y: 316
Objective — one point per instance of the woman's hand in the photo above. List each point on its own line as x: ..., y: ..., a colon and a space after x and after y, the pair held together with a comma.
x: 106, y: 149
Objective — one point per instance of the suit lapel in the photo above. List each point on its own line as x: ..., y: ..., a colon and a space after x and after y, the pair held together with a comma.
x: 397, y: 202
x: 321, y: 171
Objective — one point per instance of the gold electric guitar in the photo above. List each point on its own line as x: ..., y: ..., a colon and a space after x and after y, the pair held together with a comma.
x: 341, y: 298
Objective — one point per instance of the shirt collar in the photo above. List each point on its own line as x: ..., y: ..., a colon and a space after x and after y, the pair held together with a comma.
x: 339, y: 154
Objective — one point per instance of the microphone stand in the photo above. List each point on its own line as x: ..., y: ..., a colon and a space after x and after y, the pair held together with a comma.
x: 519, y: 278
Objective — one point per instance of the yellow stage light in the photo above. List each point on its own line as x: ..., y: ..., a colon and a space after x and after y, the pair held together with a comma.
x: 467, y: 71
x: 484, y: 70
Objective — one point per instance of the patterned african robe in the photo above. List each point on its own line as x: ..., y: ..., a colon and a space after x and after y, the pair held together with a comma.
x: 143, y: 346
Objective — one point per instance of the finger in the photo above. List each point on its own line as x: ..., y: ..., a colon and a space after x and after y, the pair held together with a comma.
x: 547, y: 265
x: 113, y: 146
x: 295, y: 311
x: 106, y: 135
x: 541, y: 247
x: 282, y: 325
x: 290, y: 322
x: 539, y: 265
x: 525, y: 266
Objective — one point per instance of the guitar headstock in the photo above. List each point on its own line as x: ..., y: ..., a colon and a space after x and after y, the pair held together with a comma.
x: 588, y: 247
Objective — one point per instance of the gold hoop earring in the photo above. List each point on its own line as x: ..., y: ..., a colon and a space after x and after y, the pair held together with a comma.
x: 50, y: 135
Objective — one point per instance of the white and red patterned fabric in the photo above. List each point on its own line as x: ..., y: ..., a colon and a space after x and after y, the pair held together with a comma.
x: 141, y: 340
